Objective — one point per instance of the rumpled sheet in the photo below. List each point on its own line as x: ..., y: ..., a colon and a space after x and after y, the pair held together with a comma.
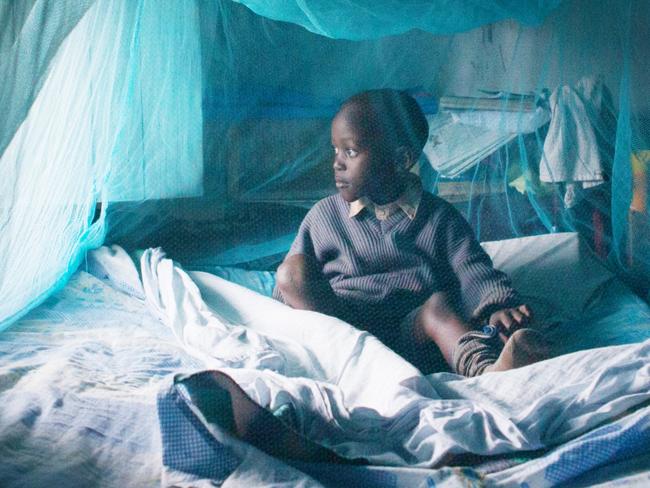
x: 81, y: 375
x: 355, y: 396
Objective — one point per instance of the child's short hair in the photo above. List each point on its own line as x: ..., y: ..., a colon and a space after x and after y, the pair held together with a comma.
x: 392, y: 115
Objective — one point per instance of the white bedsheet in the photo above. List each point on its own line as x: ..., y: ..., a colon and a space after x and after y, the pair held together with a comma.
x: 79, y: 378
x: 357, y: 397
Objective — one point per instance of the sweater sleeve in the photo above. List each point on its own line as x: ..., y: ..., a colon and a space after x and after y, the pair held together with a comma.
x: 483, y: 288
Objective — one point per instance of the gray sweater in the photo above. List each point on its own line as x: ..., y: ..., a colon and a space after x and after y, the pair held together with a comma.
x: 383, y: 269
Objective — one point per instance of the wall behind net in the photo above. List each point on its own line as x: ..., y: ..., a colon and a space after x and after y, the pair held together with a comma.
x: 206, y: 126
x: 270, y: 89
x: 589, y: 59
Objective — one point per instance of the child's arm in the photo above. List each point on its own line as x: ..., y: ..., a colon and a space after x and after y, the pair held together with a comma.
x: 301, y: 245
x: 300, y: 282
x: 486, y: 293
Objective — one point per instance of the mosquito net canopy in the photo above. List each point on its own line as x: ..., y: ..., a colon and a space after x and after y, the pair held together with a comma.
x: 203, y: 126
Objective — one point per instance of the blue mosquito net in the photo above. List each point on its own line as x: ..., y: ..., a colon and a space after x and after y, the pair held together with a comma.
x: 202, y: 126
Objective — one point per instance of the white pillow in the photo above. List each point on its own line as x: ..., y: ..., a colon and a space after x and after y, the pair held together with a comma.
x: 557, y: 274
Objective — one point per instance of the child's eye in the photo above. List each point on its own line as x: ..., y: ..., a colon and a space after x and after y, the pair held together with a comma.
x: 335, y: 149
x: 351, y: 153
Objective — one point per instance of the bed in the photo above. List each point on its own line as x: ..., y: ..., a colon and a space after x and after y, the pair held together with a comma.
x: 94, y: 384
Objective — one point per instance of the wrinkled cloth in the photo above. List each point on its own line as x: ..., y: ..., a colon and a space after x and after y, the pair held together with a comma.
x: 355, y: 396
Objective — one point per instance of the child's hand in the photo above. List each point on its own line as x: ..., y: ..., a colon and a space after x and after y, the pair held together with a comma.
x: 508, y: 320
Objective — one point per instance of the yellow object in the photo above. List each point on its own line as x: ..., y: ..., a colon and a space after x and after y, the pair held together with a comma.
x: 640, y: 162
x: 519, y: 184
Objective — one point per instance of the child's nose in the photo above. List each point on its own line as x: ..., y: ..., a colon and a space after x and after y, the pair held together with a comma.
x: 338, y: 164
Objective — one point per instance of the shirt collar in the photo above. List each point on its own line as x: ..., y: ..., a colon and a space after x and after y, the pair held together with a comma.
x: 408, y: 202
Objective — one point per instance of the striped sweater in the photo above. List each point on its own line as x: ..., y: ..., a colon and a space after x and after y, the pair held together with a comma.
x: 383, y: 269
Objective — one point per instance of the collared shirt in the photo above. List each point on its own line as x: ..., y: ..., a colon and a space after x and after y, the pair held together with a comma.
x: 408, y: 202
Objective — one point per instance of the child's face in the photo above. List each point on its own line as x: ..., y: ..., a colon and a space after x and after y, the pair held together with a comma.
x: 358, y: 169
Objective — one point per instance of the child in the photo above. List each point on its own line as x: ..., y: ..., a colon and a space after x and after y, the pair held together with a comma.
x: 390, y: 258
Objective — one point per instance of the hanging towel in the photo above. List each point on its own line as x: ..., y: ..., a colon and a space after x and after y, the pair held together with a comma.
x: 571, y: 148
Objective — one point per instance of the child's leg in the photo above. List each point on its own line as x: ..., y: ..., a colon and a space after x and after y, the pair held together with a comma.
x: 303, y: 286
x: 222, y: 401
x: 438, y: 320
x: 461, y: 344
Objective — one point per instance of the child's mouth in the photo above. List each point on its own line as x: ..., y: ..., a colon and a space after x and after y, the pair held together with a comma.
x: 341, y: 183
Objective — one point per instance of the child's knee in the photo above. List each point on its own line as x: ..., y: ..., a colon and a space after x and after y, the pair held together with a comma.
x: 293, y: 272
x: 438, y: 305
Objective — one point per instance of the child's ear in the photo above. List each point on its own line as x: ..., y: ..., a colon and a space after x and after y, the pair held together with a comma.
x: 403, y: 158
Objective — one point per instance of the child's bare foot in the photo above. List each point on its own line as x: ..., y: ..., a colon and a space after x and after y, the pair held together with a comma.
x: 524, y: 347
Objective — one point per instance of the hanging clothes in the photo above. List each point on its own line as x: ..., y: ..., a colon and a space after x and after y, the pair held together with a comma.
x: 572, y: 152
